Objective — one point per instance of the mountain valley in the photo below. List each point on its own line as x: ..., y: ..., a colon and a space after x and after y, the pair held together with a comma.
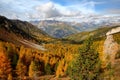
x: 30, y: 52
x: 62, y: 27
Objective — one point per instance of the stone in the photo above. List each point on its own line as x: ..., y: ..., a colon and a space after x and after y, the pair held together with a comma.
x: 111, y: 47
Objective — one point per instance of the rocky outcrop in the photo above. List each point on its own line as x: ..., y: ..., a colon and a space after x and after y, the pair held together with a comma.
x: 113, y: 31
x: 111, y: 47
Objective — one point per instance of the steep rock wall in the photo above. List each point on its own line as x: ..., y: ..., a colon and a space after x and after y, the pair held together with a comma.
x: 111, y: 47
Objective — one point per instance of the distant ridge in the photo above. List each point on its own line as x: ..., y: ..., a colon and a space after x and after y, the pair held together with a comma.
x: 60, y: 28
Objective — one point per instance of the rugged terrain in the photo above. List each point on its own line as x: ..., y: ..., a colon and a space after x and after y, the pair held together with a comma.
x: 57, y: 29
x: 22, y: 33
x: 30, y: 53
x: 65, y: 26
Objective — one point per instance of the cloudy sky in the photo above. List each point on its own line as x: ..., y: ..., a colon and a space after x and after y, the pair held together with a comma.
x: 40, y: 9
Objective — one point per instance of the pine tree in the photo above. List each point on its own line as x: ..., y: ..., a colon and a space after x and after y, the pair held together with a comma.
x: 47, y: 69
x: 86, y: 66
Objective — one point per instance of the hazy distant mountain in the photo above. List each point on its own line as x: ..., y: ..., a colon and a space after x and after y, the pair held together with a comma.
x: 57, y: 29
x: 35, y: 22
x: 64, y: 26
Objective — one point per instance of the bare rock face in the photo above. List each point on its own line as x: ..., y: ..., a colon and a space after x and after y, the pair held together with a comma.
x: 113, y: 31
x: 111, y: 47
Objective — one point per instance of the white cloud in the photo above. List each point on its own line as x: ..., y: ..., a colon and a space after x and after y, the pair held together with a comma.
x: 48, y: 10
x: 113, y: 11
x: 7, y: 1
x: 51, y: 9
x: 39, y: 9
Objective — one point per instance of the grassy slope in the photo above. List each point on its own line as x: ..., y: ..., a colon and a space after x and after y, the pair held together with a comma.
x: 97, y: 34
x: 117, y: 37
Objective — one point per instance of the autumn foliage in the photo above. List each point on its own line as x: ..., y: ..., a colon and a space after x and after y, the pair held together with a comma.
x: 19, y: 61
x: 5, y: 67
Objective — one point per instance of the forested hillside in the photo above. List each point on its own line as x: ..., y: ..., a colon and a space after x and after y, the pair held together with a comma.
x: 80, y: 57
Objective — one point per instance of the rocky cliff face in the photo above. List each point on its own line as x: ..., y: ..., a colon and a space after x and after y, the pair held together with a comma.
x: 111, y: 47
x: 113, y: 31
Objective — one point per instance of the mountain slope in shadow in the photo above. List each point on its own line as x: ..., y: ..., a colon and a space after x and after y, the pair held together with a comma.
x: 19, y: 32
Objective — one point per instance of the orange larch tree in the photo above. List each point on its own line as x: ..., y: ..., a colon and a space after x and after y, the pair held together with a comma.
x: 5, y: 67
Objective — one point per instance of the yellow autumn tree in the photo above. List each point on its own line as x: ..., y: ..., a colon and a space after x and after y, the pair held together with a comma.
x: 35, y: 69
x: 61, y: 68
x: 21, y: 69
x: 5, y: 67
x: 32, y: 69
x: 10, y: 77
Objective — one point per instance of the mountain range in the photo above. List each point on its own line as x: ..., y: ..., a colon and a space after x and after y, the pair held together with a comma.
x: 64, y: 26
